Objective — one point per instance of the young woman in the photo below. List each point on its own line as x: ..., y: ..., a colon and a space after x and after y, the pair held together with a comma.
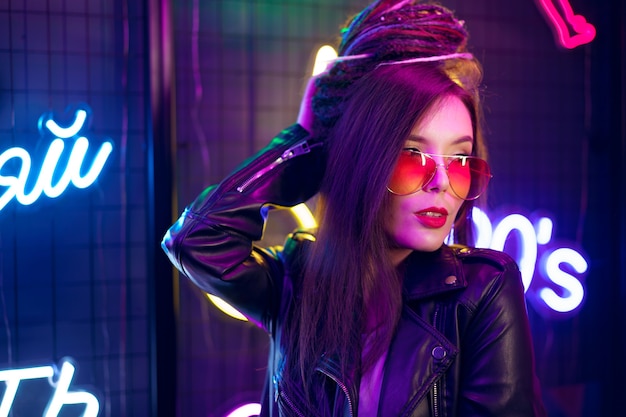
x: 372, y: 314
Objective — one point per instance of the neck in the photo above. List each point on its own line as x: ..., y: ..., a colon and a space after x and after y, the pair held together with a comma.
x: 397, y: 255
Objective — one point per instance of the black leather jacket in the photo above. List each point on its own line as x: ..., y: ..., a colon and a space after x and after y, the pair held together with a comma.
x: 462, y: 347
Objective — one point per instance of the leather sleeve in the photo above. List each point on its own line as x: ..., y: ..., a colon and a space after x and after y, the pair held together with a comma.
x: 498, y: 369
x: 212, y: 241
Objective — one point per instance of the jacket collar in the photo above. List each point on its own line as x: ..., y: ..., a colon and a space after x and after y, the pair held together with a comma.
x: 426, y: 274
x: 430, y: 273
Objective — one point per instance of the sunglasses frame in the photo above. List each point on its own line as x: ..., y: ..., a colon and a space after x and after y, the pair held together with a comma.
x: 448, y: 160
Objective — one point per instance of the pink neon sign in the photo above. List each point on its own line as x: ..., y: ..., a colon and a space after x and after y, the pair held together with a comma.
x: 584, y: 32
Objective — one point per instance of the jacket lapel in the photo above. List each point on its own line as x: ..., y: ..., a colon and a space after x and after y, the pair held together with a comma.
x: 419, y: 354
x: 431, y: 273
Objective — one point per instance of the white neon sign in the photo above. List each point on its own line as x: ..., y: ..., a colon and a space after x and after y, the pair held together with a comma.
x: 555, y: 283
x: 59, y: 380
x: 48, y: 181
x: 571, y: 283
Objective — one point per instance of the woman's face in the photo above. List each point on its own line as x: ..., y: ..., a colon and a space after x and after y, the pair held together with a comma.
x: 422, y: 220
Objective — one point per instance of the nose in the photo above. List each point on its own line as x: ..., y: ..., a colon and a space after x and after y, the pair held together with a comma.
x: 440, y: 181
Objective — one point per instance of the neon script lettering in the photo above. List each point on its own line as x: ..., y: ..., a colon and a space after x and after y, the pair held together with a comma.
x: 52, y: 181
x: 554, y: 284
x: 58, y: 380
x: 585, y: 32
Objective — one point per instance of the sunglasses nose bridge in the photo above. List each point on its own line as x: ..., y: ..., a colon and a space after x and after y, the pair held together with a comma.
x: 439, y: 180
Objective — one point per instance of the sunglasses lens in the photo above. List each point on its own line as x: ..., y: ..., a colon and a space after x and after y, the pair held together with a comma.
x: 412, y: 171
x: 468, y: 177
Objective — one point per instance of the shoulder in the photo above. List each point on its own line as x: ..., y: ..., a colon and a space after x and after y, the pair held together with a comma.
x: 487, y: 257
x: 488, y: 273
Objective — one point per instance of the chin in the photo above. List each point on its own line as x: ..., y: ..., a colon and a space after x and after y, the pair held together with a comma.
x: 418, y: 238
x: 424, y: 245
x: 428, y: 248
x: 428, y: 243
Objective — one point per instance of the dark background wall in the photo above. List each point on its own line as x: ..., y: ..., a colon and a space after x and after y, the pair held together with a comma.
x: 74, y: 270
x: 187, y: 89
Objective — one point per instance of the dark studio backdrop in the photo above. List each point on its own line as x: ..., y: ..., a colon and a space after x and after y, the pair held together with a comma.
x: 184, y: 91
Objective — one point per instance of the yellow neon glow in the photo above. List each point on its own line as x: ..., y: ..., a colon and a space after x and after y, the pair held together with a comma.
x: 226, y: 308
x: 304, y: 217
x: 324, y: 55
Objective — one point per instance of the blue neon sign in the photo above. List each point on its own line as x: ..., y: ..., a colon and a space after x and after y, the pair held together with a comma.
x: 58, y: 378
x: 49, y: 182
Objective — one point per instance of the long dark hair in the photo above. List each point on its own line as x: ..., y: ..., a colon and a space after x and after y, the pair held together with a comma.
x: 364, y: 113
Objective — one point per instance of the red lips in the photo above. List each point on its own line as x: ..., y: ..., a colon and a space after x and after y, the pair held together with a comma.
x: 432, y: 217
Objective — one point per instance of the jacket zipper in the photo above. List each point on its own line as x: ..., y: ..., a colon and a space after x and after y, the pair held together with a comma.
x: 343, y: 387
x: 286, y: 399
x: 300, y: 148
x: 291, y: 404
x: 436, y: 384
x: 436, y: 399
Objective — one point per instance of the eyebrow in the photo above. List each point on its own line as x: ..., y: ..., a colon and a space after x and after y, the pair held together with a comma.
x: 423, y: 140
